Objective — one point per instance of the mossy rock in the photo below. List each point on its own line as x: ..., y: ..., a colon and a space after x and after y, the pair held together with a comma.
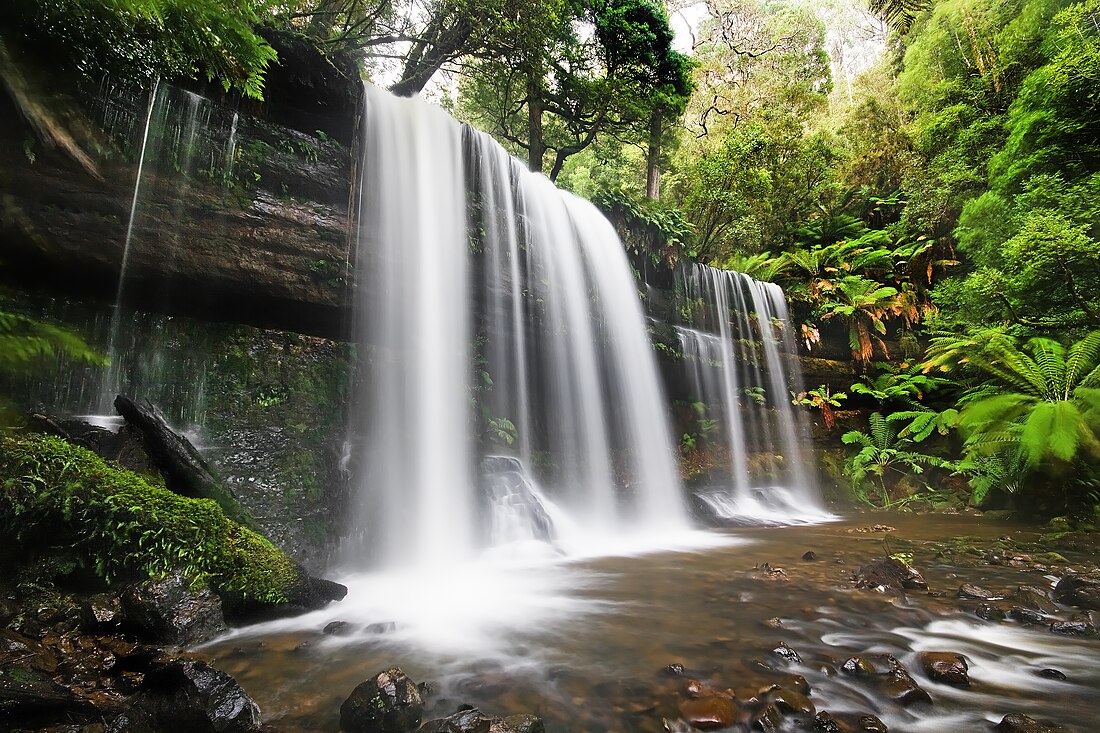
x: 117, y: 527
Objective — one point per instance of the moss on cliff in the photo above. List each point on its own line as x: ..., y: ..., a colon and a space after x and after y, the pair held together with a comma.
x: 59, y: 500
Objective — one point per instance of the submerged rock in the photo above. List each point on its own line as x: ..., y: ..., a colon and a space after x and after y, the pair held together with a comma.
x: 387, y: 703
x: 709, y: 711
x: 971, y: 592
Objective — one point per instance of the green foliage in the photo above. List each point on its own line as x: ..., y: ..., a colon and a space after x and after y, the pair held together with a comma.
x: 59, y: 498
x: 24, y: 341
x: 647, y: 227
x: 883, y: 453
x: 822, y: 399
x: 146, y: 39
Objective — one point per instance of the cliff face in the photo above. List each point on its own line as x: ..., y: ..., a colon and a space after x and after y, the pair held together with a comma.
x: 267, y: 247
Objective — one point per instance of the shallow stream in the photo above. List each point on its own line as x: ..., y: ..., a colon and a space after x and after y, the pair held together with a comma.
x: 586, y: 643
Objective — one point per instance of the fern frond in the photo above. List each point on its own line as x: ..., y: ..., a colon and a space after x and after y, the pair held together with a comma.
x: 1083, y: 360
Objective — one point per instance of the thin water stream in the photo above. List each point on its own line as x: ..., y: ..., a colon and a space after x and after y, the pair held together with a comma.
x: 585, y: 643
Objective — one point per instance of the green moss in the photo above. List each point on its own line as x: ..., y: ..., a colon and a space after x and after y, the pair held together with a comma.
x: 58, y: 498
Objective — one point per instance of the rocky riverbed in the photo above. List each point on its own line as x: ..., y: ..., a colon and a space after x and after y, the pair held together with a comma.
x: 900, y: 623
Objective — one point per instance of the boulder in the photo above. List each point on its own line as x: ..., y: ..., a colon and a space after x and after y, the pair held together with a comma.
x: 168, y: 611
x: 188, y: 696
x: 1074, y: 590
x: 389, y: 702
x: 101, y: 612
x: 1073, y: 628
x: 889, y: 574
x: 946, y: 667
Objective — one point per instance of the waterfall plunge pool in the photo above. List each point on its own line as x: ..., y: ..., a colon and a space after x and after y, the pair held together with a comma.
x: 585, y: 640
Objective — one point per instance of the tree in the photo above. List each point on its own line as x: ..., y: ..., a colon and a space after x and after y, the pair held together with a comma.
x: 550, y: 90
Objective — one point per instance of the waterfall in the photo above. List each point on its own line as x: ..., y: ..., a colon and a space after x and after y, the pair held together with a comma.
x: 741, y: 365
x: 495, y: 313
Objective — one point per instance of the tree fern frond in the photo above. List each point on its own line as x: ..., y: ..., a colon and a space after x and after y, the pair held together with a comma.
x: 1083, y: 360
x: 1050, y: 358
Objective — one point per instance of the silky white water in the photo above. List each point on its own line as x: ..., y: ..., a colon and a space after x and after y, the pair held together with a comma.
x: 496, y: 314
x: 741, y: 365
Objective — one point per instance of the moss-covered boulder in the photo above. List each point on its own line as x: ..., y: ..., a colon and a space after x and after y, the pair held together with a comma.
x: 75, y: 517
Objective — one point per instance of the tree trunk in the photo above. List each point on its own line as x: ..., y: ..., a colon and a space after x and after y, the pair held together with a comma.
x: 653, y: 157
x: 536, y: 149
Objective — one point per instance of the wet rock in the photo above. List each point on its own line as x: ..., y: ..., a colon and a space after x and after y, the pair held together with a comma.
x: 792, y: 702
x: 338, y: 628
x: 674, y: 670
x: 1028, y: 596
x: 774, y: 623
x: 1026, y: 616
x: 889, y: 676
x: 1020, y: 723
x: 187, y: 695
x: 900, y: 687
x: 990, y: 613
x: 711, y: 711
x: 101, y: 612
x: 971, y: 592
x: 809, y: 556
x: 29, y: 696
x: 386, y: 627
x: 167, y: 611
x: 827, y: 722
x: 471, y: 720
x: 787, y: 654
x: 886, y: 573
x: 21, y: 651
x: 1074, y: 590
x: 1051, y: 674
x: 1073, y: 628
x: 388, y: 703
x: 946, y: 667
x: 857, y: 666
x: 797, y: 683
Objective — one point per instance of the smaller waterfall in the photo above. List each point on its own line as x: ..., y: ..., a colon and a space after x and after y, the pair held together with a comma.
x: 184, y: 138
x: 741, y: 364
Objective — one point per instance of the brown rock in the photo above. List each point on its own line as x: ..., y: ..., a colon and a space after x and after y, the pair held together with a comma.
x: 889, y: 574
x: 946, y: 667
x: 1020, y: 723
x: 714, y: 711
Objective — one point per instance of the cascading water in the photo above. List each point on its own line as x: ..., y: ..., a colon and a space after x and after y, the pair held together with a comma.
x: 182, y: 136
x: 495, y: 307
x: 742, y: 367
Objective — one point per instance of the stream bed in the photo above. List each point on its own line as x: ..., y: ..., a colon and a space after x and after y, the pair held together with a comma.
x: 619, y: 642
